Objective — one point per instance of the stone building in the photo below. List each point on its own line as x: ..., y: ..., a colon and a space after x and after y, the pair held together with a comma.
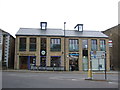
x: 56, y: 49
x: 7, y: 49
x: 113, y: 46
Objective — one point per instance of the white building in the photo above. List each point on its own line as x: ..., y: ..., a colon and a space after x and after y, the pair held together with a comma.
x: 6, y: 49
x: 1, y: 41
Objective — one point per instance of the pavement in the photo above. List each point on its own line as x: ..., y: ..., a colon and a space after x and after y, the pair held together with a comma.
x: 76, y: 72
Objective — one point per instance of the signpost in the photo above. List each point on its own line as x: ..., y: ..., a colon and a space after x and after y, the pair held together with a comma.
x: 99, y: 55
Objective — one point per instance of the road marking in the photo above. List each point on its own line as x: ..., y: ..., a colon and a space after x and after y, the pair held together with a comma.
x: 66, y: 78
x: 20, y: 75
x: 112, y: 82
x: 12, y: 74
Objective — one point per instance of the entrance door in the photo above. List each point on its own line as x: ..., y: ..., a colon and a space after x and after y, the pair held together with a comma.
x: 73, y: 62
x: 43, y: 61
x: 23, y: 62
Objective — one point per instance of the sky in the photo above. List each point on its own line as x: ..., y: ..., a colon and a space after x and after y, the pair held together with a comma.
x: 98, y: 15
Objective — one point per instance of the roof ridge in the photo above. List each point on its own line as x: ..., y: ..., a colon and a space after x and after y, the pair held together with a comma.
x: 84, y: 30
x: 59, y: 32
x: 47, y: 28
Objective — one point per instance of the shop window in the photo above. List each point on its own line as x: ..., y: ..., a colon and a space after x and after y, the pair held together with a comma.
x: 55, y: 44
x: 55, y: 61
x: 32, y: 44
x: 73, y: 45
x: 94, y: 45
x: 22, y: 44
x: 85, y: 63
x: 85, y: 54
x: 0, y: 39
x: 32, y: 60
x: 98, y: 64
x: 43, y: 62
x: 102, y: 45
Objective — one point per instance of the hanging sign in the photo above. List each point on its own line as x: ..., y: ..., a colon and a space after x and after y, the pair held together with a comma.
x: 43, y: 53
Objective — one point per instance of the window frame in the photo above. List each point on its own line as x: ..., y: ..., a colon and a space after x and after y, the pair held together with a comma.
x: 54, y: 41
x: 35, y: 43
x: 22, y: 43
x: 94, y: 45
x: 74, y: 42
x: 84, y: 45
x: 103, y: 48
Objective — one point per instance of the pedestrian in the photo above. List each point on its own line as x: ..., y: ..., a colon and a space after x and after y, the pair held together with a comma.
x: 112, y: 67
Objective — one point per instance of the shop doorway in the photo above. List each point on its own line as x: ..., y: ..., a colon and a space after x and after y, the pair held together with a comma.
x: 73, y: 62
x: 23, y: 62
x: 85, y: 60
x: 43, y: 61
x: 55, y: 61
x: 27, y: 62
x: 31, y: 62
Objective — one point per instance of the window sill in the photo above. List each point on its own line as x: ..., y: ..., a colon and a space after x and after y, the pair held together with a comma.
x: 55, y: 51
x: 32, y: 51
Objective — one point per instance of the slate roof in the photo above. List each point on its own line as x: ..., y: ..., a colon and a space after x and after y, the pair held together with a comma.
x: 2, y: 32
x: 59, y: 32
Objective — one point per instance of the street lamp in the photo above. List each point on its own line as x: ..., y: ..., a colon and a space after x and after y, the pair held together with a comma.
x: 64, y: 48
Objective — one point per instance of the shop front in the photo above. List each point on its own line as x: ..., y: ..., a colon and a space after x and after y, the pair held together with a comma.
x: 27, y: 62
x: 73, y: 62
x: 55, y: 63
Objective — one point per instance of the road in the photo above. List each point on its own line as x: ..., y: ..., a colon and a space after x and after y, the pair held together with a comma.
x: 56, y: 80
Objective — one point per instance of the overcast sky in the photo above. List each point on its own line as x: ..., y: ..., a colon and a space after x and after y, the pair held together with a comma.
x: 94, y: 14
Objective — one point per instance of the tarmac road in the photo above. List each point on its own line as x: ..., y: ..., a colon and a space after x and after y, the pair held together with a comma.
x: 56, y: 80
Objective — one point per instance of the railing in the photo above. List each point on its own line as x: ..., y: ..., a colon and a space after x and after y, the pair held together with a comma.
x: 47, y: 68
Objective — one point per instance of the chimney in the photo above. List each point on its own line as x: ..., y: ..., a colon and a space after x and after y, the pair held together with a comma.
x: 79, y: 27
x: 43, y: 25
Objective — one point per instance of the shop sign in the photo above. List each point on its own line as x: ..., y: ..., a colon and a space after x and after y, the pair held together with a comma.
x: 110, y: 43
x: 74, y: 54
x: 43, y: 52
x: 98, y: 54
x: 26, y: 54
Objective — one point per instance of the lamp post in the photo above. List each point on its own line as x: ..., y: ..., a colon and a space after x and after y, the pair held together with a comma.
x: 105, y: 66
x: 64, y: 49
x: 89, y: 68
